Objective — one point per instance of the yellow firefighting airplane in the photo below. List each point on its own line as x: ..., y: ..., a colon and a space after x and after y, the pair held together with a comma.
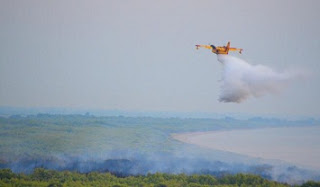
x: 220, y: 49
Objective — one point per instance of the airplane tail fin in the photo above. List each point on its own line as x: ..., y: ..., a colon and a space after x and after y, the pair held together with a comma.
x: 228, y: 45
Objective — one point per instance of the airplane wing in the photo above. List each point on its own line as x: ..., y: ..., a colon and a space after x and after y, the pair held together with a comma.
x: 236, y: 49
x: 204, y: 46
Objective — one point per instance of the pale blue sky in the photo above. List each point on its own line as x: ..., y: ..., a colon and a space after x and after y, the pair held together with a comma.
x: 140, y: 55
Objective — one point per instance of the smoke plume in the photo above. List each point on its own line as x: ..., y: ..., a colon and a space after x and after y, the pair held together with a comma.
x: 127, y: 164
x: 241, y: 80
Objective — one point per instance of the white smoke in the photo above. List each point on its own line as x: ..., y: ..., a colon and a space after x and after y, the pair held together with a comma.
x: 241, y: 80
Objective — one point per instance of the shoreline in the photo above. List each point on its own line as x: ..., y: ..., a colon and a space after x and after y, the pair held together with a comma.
x: 265, y: 143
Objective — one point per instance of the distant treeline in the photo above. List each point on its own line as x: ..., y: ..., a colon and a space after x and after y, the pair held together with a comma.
x: 43, y: 177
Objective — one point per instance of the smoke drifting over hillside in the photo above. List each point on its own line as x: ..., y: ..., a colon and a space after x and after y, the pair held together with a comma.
x: 241, y: 80
x: 126, y: 164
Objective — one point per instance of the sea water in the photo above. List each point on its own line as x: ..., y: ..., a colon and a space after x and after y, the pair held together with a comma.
x: 296, y: 145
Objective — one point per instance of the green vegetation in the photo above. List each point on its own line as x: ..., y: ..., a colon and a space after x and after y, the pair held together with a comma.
x: 42, y: 177
x: 125, y: 146
x: 44, y: 135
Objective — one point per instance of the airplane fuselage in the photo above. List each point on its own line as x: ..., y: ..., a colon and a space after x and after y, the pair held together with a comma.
x: 220, y: 49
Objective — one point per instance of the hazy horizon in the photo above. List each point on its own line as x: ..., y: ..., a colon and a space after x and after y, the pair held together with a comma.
x: 11, y: 111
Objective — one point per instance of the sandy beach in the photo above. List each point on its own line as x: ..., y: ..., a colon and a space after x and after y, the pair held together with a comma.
x: 296, y: 145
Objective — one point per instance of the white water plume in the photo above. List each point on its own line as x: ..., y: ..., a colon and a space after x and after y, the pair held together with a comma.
x: 241, y: 80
